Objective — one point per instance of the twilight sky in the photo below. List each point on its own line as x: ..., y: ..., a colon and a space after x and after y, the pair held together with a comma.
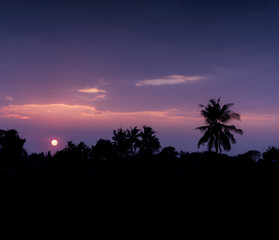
x: 76, y: 69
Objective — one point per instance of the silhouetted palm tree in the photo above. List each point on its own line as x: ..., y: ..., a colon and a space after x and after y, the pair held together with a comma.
x: 149, y: 143
x: 216, y: 133
x: 120, y: 141
x: 133, y: 137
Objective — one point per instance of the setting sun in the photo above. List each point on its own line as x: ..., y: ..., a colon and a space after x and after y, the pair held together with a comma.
x: 54, y: 142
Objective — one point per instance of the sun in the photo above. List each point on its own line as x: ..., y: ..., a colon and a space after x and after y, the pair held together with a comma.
x: 54, y: 142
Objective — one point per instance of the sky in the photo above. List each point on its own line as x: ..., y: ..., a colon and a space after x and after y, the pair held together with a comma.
x: 76, y: 69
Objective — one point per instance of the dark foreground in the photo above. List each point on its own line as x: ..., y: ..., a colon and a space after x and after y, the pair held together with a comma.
x: 141, y: 198
x: 161, y: 177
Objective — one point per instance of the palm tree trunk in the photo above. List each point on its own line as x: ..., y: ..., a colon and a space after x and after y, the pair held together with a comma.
x: 216, y: 144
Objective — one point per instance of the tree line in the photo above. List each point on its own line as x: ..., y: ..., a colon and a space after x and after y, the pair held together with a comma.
x: 135, y: 145
x: 130, y: 146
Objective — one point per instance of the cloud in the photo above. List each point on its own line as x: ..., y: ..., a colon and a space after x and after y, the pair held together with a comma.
x: 170, y: 80
x: 100, y: 97
x: 9, y: 98
x: 91, y: 90
x: 44, y: 111
x: 87, y: 99
x: 83, y: 115
x: 11, y: 115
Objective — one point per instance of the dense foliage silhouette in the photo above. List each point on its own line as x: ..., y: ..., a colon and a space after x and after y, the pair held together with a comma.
x: 12, y: 152
x: 149, y: 143
x: 121, y: 142
x: 217, y: 134
x: 271, y: 155
x: 133, y: 135
x: 134, y: 152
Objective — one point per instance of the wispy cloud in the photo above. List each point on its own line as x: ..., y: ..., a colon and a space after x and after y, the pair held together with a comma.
x: 82, y: 98
x: 100, y: 97
x: 11, y: 115
x: 88, y: 99
x: 45, y: 111
x: 170, y: 80
x: 91, y: 90
x: 62, y: 114
x: 260, y: 117
x: 9, y: 98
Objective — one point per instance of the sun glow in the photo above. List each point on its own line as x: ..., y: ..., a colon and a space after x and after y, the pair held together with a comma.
x: 54, y: 142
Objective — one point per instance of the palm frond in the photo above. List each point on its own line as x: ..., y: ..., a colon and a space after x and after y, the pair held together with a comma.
x: 230, y: 136
x: 204, y: 138
x: 233, y: 129
x: 235, y: 116
x: 202, y: 128
x: 225, y: 142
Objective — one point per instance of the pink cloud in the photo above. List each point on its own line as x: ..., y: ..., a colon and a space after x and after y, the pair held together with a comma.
x: 170, y: 80
x: 91, y: 90
x: 63, y: 114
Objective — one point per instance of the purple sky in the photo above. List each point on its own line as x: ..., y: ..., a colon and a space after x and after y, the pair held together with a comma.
x: 76, y: 70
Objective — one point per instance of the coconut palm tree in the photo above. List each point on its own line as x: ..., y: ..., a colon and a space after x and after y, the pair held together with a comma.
x: 133, y: 135
x: 120, y: 141
x: 149, y: 143
x: 217, y: 134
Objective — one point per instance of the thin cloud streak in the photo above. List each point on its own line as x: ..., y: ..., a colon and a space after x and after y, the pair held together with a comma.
x: 56, y: 111
x: 260, y: 117
x: 87, y: 99
x: 59, y: 111
x: 16, y: 116
x: 62, y: 114
x: 91, y: 90
x: 170, y: 80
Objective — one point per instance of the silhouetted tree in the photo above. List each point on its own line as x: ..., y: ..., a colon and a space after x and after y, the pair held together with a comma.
x: 149, y: 143
x: 73, y: 155
x: 36, y: 158
x: 254, y: 155
x: 168, y: 153
x: 247, y: 159
x: 11, y: 148
x: 217, y: 133
x: 103, y: 150
x: 271, y: 155
x: 133, y: 135
x: 120, y: 142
